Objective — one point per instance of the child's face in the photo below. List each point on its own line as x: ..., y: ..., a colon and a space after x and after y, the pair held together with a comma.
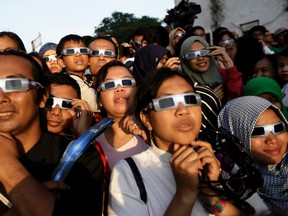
x: 179, y: 125
x: 118, y: 101
x: 283, y: 68
x: 269, y: 149
x: 76, y: 63
x: 199, y: 64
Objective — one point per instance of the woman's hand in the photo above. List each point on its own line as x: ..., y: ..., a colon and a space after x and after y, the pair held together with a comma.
x: 221, y: 56
x: 130, y: 125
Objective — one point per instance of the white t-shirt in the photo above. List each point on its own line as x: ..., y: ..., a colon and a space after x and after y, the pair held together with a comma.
x: 134, y: 146
x: 87, y: 93
x: 154, y: 166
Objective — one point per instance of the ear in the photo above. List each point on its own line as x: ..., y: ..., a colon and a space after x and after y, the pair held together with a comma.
x: 44, y: 99
x: 144, y: 43
x: 61, y: 63
x: 145, y: 120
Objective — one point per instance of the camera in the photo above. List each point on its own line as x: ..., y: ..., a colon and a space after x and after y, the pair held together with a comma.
x: 183, y: 15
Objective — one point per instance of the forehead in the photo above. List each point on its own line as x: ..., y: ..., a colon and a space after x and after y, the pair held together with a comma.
x: 73, y: 44
x: 174, y: 85
x: 117, y: 72
x: 49, y: 52
x: 7, y: 43
x: 102, y: 44
x: 197, y: 45
x: 15, y: 66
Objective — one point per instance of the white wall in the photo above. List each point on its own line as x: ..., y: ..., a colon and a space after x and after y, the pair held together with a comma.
x: 270, y: 13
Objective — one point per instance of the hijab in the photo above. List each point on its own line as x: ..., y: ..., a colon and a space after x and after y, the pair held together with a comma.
x: 147, y: 59
x: 202, y: 78
x: 172, y: 43
x: 261, y: 85
x: 239, y: 117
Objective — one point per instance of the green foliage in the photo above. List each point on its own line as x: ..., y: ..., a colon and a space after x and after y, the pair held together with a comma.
x: 121, y: 25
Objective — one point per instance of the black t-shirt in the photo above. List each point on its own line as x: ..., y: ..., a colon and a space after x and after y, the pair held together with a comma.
x: 85, y: 178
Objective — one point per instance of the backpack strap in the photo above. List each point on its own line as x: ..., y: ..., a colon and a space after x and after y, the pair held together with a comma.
x: 138, y: 178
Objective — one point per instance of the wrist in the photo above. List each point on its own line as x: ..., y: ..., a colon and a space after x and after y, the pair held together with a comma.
x: 214, y: 205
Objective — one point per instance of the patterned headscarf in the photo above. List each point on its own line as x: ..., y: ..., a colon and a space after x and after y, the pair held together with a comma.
x: 202, y: 78
x: 239, y: 117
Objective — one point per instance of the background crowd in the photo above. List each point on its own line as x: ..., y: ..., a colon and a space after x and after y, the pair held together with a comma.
x: 173, y: 96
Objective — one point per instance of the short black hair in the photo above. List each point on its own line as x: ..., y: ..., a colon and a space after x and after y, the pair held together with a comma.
x: 70, y: 37
x: 16, y: 38
x: 63, y: 79
x: 108, y: 38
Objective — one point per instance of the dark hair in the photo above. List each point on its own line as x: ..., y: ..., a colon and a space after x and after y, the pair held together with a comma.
x: 154, y: 34
x: 36, y: 70
x: 257, y: 28
x: 217, y: 38
x: 249, y: 51
x: 87, y: 39
x: 16, y: 38
x: 63, y: 79
x: 283, y: 52
x: 102, y: 73
x: 194, y: 28
x: 43, y: 65
x: 149, y: 87
x: 108, y: 38
x: 70, y: 37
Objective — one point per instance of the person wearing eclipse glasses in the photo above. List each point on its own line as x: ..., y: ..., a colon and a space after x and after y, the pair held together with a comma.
x: 48, y: 53
x: 116, y: 89
x: 174, y: 36
x: 29, y: 155
x: 66, y: 113
x: 102, y: 50
x: 171, y: 168
x: 211, y: 66
x: 262, y: 130
x: 74, y: 56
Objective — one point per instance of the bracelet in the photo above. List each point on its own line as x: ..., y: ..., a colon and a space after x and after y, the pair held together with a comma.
x: 217, y: 208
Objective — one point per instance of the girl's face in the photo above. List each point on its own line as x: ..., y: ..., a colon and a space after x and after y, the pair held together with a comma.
x: 120, y: 100
x: 271, y: 148
x: 179, y: 125
x: 201, y: 63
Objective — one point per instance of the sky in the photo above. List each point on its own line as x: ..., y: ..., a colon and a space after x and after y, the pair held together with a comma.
x: 54, y: 19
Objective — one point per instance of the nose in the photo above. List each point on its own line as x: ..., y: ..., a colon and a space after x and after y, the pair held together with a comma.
x: 182, y: 110
x: 56, y: 110
x: 119, y: 88
x: 271, y: 139
x: 3, y: 96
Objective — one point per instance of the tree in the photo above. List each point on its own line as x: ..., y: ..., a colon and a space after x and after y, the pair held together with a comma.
x: 121, y: 25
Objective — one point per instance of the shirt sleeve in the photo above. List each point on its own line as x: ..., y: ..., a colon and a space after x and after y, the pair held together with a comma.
x: 233, y: 84
x: 124, y: 195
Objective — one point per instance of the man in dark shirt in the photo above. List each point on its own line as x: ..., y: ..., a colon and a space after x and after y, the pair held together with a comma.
x: 28, y: 156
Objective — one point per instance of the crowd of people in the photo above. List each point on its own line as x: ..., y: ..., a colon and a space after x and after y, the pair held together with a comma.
x: 200, y: 126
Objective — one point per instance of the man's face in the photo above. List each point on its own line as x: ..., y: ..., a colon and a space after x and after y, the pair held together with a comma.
x: 96, y: 62
x: 18, y: 110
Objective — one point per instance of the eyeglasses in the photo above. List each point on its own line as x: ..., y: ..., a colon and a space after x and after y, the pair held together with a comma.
x: 106, y: 53
x: 62, y: 102
x: 226, y: 42
x: 72, y: 51
x: 178, y: 36
x: 112, y: 84
x: 264, y: 130
x: 196, y: 54
x: 172, y: 101
x: 18, y: 85
x: 137, y: 43
x: 50, y: 58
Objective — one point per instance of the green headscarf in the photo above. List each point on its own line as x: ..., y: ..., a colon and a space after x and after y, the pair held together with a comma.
x: 262, y: 85
x: 202, y: 78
